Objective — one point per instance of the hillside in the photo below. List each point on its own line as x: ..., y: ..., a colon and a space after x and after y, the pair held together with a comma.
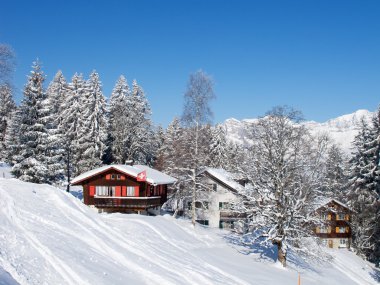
x: 49, y: 237
x: 342, y: 129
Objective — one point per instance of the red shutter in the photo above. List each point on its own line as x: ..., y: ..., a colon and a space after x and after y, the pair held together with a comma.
x: 92, y: 191
x: 137, y: 191
x: 124, y: 191
x: 118, y: 191
x: 108, y: 177
x: 122, y: 177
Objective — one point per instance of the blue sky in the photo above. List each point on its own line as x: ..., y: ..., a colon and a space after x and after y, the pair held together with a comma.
x: 322, y: 57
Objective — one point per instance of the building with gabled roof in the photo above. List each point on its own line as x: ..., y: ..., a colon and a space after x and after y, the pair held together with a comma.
x: 124, y: 188
x: 335, y: 228
x: 214, y: 205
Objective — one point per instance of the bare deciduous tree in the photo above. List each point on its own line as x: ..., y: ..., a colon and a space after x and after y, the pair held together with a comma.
x: 7, y: 63
x: 197, y: 113
x: 285, y: 171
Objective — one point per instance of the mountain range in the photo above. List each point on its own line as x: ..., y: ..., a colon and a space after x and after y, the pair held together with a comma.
x: 342, y: 130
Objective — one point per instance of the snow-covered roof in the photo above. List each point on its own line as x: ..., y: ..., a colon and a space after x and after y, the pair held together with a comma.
x: 223, y: 176
x: 153, y: 176
x: 325, y: 201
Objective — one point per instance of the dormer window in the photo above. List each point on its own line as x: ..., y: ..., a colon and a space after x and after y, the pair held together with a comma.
x: 113, y: 176
x: 118, y: 176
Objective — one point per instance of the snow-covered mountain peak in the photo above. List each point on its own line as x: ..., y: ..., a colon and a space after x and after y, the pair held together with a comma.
x: 350, y: 120
x: 342, y: 129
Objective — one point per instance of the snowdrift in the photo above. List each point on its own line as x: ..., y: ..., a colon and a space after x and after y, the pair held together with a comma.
x: 49, y: 237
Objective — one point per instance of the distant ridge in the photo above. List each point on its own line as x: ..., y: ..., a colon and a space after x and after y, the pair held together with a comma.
x: 342, y: 129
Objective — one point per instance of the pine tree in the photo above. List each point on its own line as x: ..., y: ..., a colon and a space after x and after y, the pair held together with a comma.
x: 335, y: 174
x: 93, y: 133
x: 55, y: 151
x: 159, y: 153
x: 7, y: 107
x: 118, y: 118
x: 71, y: 123
x: 12, y: 139
x: 31, y: 165
x: 139, y: 137
x: 364, y: 185
x: 218, y: 148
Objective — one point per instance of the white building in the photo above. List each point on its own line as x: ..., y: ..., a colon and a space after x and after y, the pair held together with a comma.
x: 216, y: 202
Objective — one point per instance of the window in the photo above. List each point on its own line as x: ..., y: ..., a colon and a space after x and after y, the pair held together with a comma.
x: 201, y: 205
x: 224, y: 205
x: 212, y: 186
x: 112, y: 176
x: 226, y: 224
x: 323, y: 230
x: 202, y: 222
x: 189, y: 206
x: 131, y: 191
x: 323, y: 216
x: 105, y: 191
x: 343, y: 242
x: 340, y: 217
x: 340, y: 230
x: 118, y: 177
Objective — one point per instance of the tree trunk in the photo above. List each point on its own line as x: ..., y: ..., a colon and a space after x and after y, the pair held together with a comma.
x: 281, y: 255
x: 193, y: 212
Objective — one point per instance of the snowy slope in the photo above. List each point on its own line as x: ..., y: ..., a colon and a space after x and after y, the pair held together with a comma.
x: 49, y: 237
x: 342, y: 129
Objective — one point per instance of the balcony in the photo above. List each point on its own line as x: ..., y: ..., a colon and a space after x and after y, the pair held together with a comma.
x: 127, y: 202
x: 226, y: 214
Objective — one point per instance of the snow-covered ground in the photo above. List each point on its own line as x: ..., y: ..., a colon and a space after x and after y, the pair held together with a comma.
x: 49, y: 237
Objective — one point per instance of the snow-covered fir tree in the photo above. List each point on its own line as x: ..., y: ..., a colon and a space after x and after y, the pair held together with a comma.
x: 55, y: 152
x: 336, y: 174
x: 12, y: 148
x: 71, y: 123
x: 218, y: 148
x: 364, y: 185
x: 7, y: 107
x: 159, y: 154
x: 139, y: 136
x: 31, y: 164
x: 93, y: 132
x: 118, y: 117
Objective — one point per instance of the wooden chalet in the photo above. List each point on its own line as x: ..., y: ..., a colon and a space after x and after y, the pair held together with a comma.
x: 124, y: 188
x: 335, y: 230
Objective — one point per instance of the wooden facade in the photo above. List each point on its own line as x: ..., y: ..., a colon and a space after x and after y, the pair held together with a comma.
x: 335, y: 228
x: 115, y: 191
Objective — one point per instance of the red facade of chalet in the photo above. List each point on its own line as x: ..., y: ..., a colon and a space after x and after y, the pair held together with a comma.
x: 116, y: 188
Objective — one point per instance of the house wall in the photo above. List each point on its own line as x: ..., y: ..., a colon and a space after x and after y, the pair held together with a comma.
x: 212, y: 214
x: 331, y: 223
x: 336, y: 242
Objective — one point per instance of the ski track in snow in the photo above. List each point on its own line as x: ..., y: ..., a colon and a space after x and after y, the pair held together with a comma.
x: 107, y: 249
x: 64, y: 270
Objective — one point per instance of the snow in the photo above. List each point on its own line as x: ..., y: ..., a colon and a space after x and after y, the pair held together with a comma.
x: 5, y: 170
x: 342, y: 129
x: 153, y: 176
x: 224, y: 176
x: 49, y: 237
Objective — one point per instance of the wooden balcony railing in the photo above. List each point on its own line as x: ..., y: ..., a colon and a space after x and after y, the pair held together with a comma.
x: 232, y: 215
x: 127, y: 202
